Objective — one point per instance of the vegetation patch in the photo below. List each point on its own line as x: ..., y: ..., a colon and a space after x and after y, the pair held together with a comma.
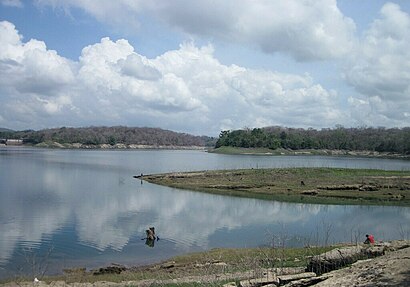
x: 304, y: 185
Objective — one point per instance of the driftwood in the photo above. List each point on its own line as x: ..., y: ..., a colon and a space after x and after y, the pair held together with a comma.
x: 360, y: 187
x: 150, y: 239
x: 150, y: 233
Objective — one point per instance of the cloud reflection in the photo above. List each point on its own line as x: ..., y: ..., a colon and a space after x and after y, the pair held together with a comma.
x: 108, y: 210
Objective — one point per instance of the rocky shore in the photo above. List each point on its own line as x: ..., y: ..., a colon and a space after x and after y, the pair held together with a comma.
x: 114, y: 146
x: 391, y: 269
x: 247, y: 151
x: 305, y: 152
x: 382, y: 264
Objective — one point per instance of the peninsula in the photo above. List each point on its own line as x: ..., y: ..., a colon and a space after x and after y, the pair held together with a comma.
x: 304, y: 185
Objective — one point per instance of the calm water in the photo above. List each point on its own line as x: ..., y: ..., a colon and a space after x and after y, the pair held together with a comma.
x: 83, y: 208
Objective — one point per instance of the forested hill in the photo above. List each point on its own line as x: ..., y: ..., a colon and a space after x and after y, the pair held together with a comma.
x: 5, y: 130
x: 111, y: 136
x: 393, y: 140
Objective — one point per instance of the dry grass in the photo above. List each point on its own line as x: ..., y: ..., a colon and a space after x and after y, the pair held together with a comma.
x: 209, y: 265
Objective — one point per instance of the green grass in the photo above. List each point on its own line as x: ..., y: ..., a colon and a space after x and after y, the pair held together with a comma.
x: 330, y: 185
x: 242, y: 258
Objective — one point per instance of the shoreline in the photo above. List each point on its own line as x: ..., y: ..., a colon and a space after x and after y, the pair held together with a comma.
x: 308, y: 152
x: 221, y: 150
x: 332, y: 265
x: 79, y: 146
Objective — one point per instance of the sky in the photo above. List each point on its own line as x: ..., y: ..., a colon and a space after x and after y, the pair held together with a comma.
x: 206, y: 65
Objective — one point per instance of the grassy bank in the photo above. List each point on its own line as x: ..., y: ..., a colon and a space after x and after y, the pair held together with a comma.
x: 304, y: 185
x: 238, y: 262
x: 219, y: 266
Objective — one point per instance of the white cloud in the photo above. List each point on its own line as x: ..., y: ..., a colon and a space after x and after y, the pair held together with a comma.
x: 137, y: 66
x: 380, y: 70
x: 307, y: 30
x: 30, y: 67
x: 12, y: 3
x: 186, y: 89
x: 34, y: 81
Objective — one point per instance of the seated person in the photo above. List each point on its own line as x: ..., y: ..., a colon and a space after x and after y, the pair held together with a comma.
x: 369, y: 239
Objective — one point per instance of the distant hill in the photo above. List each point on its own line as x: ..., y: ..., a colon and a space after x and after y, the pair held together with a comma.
x: 111, y: 136
x: 5, y: 130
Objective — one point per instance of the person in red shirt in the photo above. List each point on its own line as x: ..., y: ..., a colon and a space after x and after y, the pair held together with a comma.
x: 369, y: 239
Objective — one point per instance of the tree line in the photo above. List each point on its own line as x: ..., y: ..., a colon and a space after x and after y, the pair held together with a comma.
x: 109, y: 135
x: 396, y: 140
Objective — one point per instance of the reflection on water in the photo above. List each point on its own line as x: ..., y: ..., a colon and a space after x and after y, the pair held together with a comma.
x: 86, y: 206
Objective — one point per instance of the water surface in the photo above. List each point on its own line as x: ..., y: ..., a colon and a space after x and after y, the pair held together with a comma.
x: 83, y: 208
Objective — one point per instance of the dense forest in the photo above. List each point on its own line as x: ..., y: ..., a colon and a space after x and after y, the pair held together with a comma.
x: 393, y: 140
x: 109, y: 135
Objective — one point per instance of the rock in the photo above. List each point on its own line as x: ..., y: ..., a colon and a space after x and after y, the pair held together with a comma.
x: 288, y: 270
x: 306, y: 281
x: 368, y: 188
x: 340, y: 257
x: 392, y: 269
x: 309, y: 192
x: 334, y: 259
x: 373, y: 251
x: 340, y: 187
x: 399, y: 244
x: 120, y: 146
x: 229, y: 284
x: 284, y: 279
x: 270, y: 278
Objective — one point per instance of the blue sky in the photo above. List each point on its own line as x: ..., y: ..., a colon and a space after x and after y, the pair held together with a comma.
x: 204, y: 66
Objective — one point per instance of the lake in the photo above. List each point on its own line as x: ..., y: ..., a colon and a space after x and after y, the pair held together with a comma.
x: 83, y: 208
